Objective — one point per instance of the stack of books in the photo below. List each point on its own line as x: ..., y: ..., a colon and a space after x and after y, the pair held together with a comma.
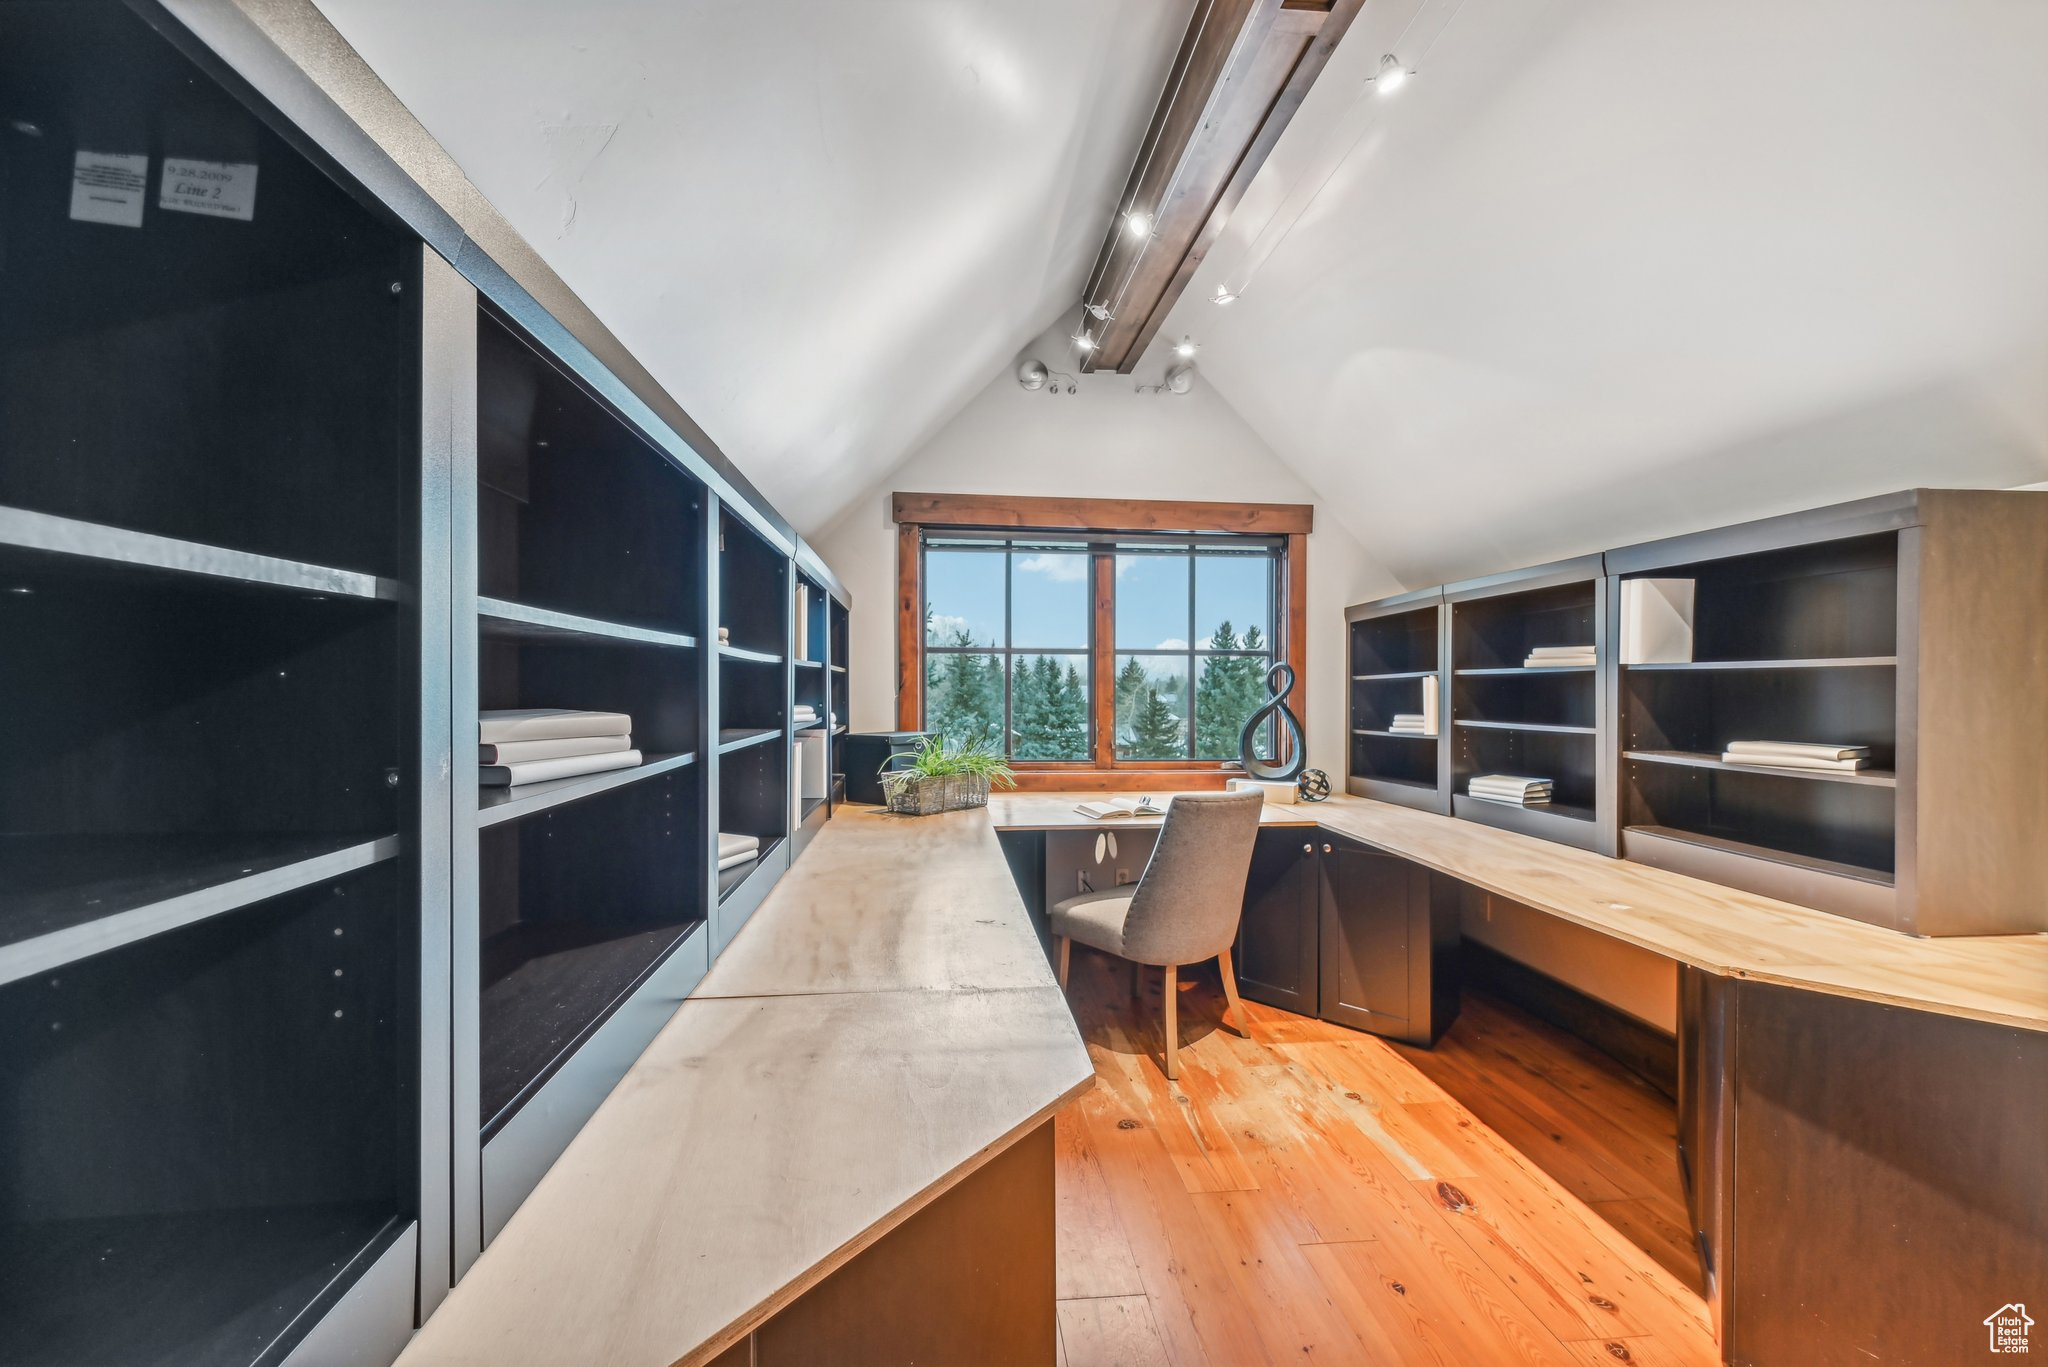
x: 1510, y: 790
x: 1561, y: 657
x: 528, y: 745
x: 734, y: 850
x: 1421, y: 723
x: 1780, y: 754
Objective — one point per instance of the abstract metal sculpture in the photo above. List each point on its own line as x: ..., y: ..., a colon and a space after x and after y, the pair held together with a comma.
x: 1279, y: 682
x: 1314, y: 785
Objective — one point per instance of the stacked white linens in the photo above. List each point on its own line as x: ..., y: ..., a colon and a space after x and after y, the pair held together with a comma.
x: 734, y: 850
x: 531, y: 744
x: 1561, y: 657
x: 1510, y: 790
x: 1777, y: 754
x: 804, y: 714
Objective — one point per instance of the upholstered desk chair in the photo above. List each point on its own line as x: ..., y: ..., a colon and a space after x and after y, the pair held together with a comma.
x: 1183, y: 909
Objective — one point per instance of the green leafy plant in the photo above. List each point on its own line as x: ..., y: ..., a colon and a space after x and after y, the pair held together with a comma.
x: 937, y: 759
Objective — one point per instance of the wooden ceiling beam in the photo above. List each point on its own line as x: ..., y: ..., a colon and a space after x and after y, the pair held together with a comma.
x: 1243, y: 68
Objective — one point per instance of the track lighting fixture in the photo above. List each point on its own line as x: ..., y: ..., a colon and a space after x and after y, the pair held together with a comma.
x: 1033, y: 375
x: 1083, y: 340
x: 1224, y: 294
x: 1137, y: 224
x: 1100, y: 313
x: 1186, y: 348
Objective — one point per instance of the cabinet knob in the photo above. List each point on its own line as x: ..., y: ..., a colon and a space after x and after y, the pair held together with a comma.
x: 1308, y: 849
x: 1326, y: 849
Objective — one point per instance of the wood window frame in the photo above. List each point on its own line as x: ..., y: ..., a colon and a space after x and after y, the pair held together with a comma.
x: 915, y: 514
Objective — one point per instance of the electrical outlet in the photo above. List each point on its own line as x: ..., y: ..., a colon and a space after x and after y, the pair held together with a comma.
x: 1081, y: 881
x: 1123, y: 876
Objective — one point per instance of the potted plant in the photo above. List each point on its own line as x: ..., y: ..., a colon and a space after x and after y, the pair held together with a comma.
x: 945, y: 778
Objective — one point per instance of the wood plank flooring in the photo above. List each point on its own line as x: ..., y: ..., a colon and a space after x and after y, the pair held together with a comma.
x: 1312, y: 1194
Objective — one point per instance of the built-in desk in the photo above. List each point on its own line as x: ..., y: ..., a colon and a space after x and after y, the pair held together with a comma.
x: 1861, y: 1113
x: 869, y: 1070
x: 882, y: 1044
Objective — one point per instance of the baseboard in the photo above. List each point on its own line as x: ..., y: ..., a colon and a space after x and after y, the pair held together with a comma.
x: 1644, y: 1050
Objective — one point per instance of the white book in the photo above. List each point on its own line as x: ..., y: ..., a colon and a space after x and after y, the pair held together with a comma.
x: 536, y: 771
x: 548, y: 723
x: 811, y: 765
x: 1798, y: 762
x: 1796, y: 749
x: 524, y: 751
x: 803, y: 622
x: 1544, y: 652
x: 1542, y: 801
x: 1429, y: 704
x: 735, y: 860
x: 1109, y: 809
x: 796, y: 790
x: 1656, y: 621
x: 730, y: 845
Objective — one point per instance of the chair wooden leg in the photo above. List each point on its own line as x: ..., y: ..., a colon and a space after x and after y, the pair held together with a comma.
x: 1137, y: 980
x: 1237, y: 1020
x: 1172, y: 1022
x: 1066, y: 953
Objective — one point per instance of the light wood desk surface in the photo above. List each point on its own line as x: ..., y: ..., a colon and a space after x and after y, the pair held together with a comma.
x: 884, y: 1024
x: 2002, y: 978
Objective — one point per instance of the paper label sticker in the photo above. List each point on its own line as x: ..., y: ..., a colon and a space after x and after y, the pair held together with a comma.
x: 109, y: 187
x: 222, y: 189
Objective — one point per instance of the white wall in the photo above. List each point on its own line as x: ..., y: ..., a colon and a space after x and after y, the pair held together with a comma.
x: 1107, y: 441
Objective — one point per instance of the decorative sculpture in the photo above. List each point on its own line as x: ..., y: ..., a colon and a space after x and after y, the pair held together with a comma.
x: 1314, y: 785
x: 1279, y: 682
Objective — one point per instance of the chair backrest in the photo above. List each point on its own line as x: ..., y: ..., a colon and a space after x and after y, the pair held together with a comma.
x: 1188, y: 899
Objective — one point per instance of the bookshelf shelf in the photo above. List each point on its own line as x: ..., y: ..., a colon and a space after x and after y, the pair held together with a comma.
x: 739, y: 738
x: 1701, y: 840
x: 1521, y: 671
x: 809, y: 664
x: 24, y: 533
x: 68, y: 897
x: 1396, y: 652
x: 741, y: 655
x: 1878, y: 778
x: 1724, y: 666
x: 498, y: 617
x: 510, y: 804
x: 1549, y: 727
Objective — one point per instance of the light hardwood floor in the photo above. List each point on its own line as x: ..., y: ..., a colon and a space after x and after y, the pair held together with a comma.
x: 1310, y: 1195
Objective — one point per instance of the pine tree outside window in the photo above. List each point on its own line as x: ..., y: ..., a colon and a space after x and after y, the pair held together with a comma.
x: 1006, y: 646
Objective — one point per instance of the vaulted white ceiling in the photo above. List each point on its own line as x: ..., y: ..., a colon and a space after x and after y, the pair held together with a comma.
x: 1606, y: 269
x: 1603, y: 269
x: 820, y: 224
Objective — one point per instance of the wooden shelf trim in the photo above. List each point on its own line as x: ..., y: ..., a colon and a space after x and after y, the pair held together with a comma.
x: 509, y: 804
x: 1876, y: 778
x: 34, y: 531
x: 41, y: 954
x: 503, y: 616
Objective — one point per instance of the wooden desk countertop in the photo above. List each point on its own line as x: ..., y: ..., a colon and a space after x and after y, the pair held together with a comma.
x: 884, y: 1023
x: 2002, y: 979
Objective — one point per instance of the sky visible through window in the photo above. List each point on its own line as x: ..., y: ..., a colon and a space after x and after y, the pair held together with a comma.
x: 1174, y: 608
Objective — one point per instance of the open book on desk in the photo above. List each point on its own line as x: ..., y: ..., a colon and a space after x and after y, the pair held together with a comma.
x: 1111, y: 808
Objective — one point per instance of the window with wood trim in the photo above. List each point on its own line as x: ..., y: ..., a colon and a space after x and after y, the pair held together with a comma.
x: 1096, y: 634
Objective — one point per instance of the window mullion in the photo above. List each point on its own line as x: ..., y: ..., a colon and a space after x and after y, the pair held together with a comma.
x: 1102, y: 656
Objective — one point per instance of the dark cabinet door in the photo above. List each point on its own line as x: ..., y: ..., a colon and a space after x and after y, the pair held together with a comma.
x: 1276, y: 939
x: 1369, y: 900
